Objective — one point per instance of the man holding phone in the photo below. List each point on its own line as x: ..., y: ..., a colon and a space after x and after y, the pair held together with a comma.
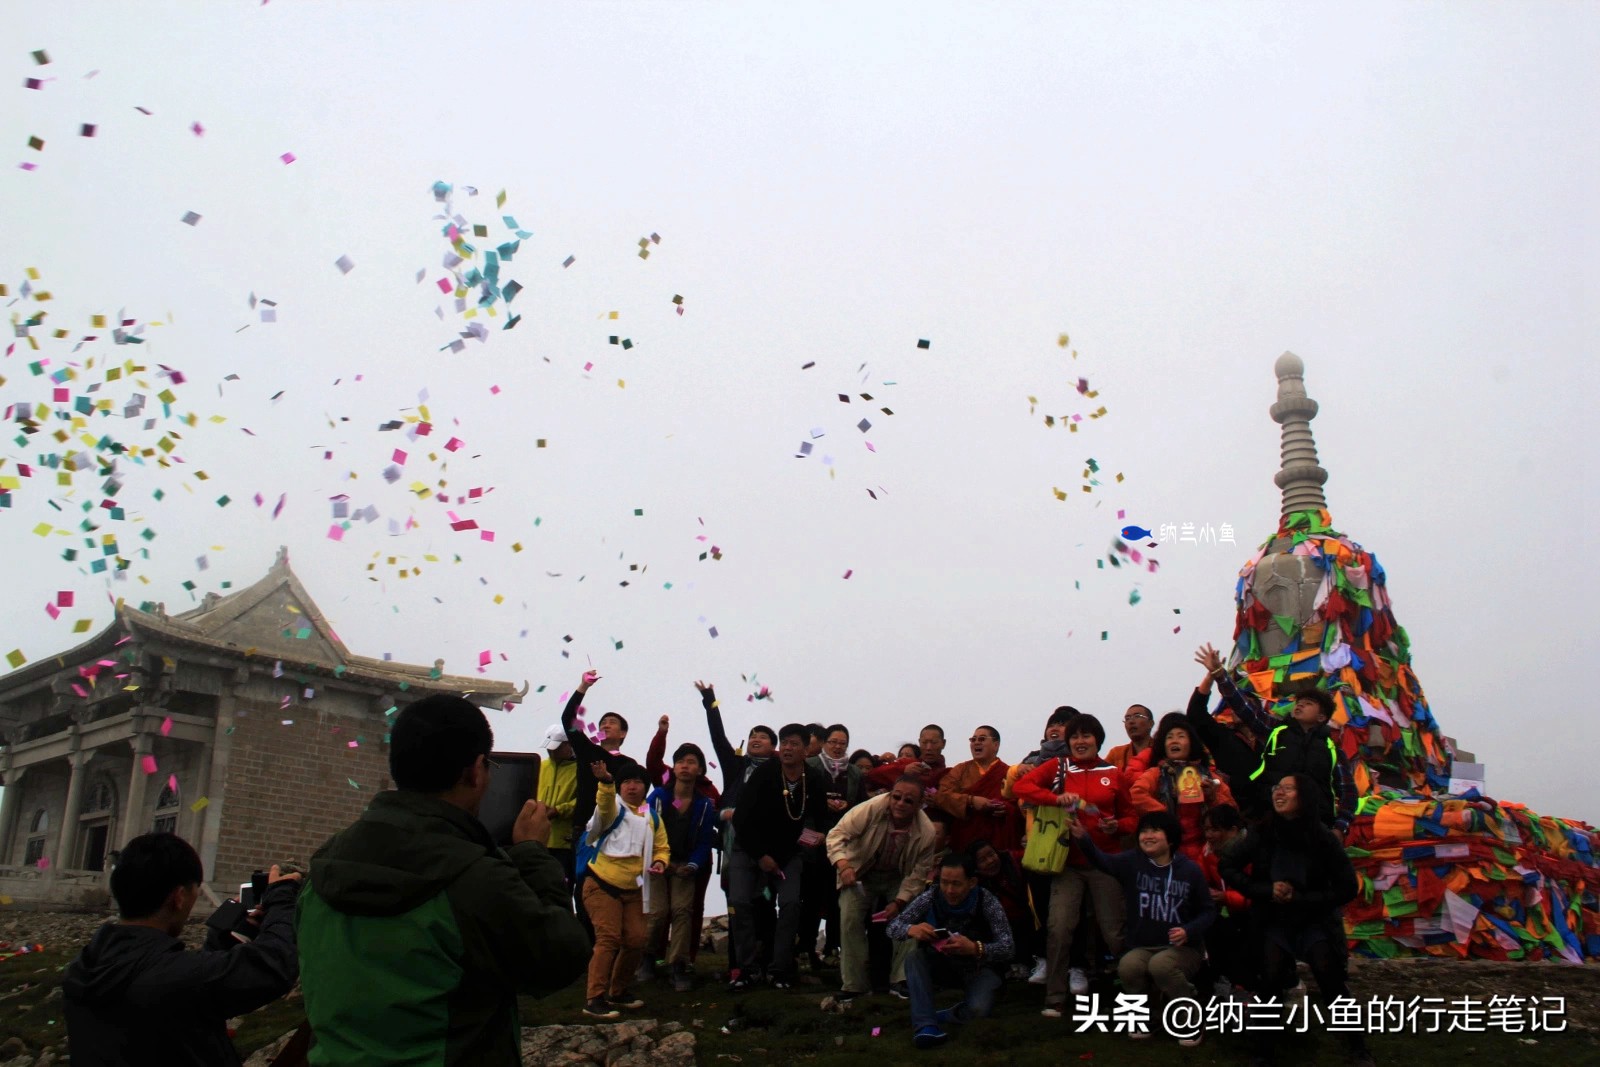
x: 962, y: 939
x: 134, y: 995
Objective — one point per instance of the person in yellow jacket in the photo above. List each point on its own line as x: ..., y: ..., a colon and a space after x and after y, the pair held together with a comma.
x: 558, y: 791
x: 628, y: 842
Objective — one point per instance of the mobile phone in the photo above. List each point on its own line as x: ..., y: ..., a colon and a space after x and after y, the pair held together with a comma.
x: 247, y: 895
x: 941, y: 933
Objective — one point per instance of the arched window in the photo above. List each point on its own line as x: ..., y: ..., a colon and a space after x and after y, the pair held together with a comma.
x: 167, y: 809
x: 102, y: 796
x: 38, y: 827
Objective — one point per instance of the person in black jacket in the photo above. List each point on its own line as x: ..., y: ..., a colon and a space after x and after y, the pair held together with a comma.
x: 136, y: 996
x: 1297, y: 878
x: 781, y: 808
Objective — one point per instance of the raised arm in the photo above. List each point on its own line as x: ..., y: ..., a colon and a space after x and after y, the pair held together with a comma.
x: 719, y: 735
x: 582, y: 747
x: 655, y: 758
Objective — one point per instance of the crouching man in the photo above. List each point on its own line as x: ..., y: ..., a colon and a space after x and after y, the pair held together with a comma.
x: 962, y: 939
x: 135, y: 995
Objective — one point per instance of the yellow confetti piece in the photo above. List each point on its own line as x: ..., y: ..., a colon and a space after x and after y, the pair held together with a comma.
x: 613, y: 315
x: 5, y: 900
x: 621, y: 384
x: 200, y: 805
x: 16, y: 658
x: 1063, y: 341
x: 97, y: 321
x: 44, y: 528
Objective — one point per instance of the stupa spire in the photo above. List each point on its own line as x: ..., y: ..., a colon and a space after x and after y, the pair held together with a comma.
x: 1299, y: 477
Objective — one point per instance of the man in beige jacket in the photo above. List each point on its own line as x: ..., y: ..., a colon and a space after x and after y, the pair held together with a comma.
x: 882, y: 850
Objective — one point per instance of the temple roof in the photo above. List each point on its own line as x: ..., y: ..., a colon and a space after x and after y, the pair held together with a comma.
x: 270, y: 620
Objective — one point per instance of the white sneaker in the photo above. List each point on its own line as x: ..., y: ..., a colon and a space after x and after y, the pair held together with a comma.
x: 1040, y: 972
x: 1051, y: 1013
x: 1077, y: 981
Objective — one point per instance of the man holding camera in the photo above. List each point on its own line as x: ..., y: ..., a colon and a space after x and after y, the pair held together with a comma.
x: 134, y: 995
x: 417, y: 932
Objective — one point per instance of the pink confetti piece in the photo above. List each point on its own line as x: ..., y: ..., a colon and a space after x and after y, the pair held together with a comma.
x: 52, y: 611
x: 25, y: 166
x: 399, y: 457
x: 44, y: 863
x: 198, y: 130
x: 166, y: 726
x: 453, y: 445
x: 485, y: 658
x: 849, y: 572
x: 172, y: 782
x: 445, y: 285
x: 352, y: 744
x: 287, y: 157
x: 336, y: 532
x: 148, y: 763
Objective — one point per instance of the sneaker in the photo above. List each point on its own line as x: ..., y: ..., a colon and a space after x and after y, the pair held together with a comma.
x: 783, y: 984
x: 845, y: 996
x: 903, y: 991
x: 627, y: 1002
x: 738, y: 983
x: 1051, y: 1011
x: 1078, y: 981
x: 930, y: 1037
x: 1041, y: 972
x: 599, y: 1008
x: 1190, y: 1042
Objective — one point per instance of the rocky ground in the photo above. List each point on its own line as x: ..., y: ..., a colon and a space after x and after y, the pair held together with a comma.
x: 708, y: 1026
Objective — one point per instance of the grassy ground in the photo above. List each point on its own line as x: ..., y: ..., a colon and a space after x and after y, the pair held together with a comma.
x: 790, y: 1026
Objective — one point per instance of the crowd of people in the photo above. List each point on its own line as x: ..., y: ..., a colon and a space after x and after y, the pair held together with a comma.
x: 1203, y: 858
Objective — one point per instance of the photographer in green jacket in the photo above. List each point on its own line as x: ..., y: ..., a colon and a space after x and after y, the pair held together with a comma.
x: 417, y: 933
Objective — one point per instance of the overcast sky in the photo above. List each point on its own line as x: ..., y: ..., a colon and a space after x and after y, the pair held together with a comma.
x: 1401, y: 194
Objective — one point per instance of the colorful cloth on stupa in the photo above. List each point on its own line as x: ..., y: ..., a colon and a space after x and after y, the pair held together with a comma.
x: 1465, y: 876
x: 1353, y: 648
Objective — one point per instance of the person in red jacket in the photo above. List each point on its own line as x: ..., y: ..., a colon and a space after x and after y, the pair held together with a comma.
x: 1095, y: 789
x: 1183, y: 784
x: 927, y: 766
x: 1232, y: 948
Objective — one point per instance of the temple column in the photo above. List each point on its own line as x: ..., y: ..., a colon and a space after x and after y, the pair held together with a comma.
x: 201, y: 788
x: 68, y: 840
x: 10, y: 807
x: 216, y: 776
x: 133, y: 823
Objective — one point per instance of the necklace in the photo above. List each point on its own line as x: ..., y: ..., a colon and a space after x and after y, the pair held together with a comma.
x: 790, y: 789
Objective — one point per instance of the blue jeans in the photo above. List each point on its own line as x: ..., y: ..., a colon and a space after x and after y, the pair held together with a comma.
x: 927, y: 969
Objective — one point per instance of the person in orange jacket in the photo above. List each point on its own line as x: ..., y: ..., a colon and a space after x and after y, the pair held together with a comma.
x: 1183, y: 783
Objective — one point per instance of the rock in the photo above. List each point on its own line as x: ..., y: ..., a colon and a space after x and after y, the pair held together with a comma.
x: 641, y: 1043
x: 263, y: 1057
x: 11, y: 1048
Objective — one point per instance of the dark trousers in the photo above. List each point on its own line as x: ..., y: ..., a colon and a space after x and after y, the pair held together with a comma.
x: 746, y: 882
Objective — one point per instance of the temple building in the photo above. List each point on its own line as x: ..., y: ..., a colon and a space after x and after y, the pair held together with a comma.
x: 244, y: 725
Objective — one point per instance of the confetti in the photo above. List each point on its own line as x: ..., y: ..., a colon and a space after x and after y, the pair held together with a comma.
x: 287, y: 157
x: 345, y: 264
x: 924, y: 343
x: 148, y: 764
x: 190, y: 218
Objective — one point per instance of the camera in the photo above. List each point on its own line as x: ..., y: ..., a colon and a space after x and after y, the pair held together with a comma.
x: 232, y: 923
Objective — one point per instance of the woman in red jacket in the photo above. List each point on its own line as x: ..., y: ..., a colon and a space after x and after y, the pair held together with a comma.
x: 1183, y: 783
x: 1084, y: 782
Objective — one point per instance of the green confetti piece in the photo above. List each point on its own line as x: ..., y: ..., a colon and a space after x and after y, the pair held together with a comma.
x: 352, y: 782
x: 222, y: 501
x: 1104, y: 634
x: 638, y: 511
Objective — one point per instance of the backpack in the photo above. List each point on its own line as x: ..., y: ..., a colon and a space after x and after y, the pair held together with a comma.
x: 586, y: 852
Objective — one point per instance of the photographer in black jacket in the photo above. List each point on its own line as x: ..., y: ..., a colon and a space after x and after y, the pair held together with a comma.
x: 136, y: 996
